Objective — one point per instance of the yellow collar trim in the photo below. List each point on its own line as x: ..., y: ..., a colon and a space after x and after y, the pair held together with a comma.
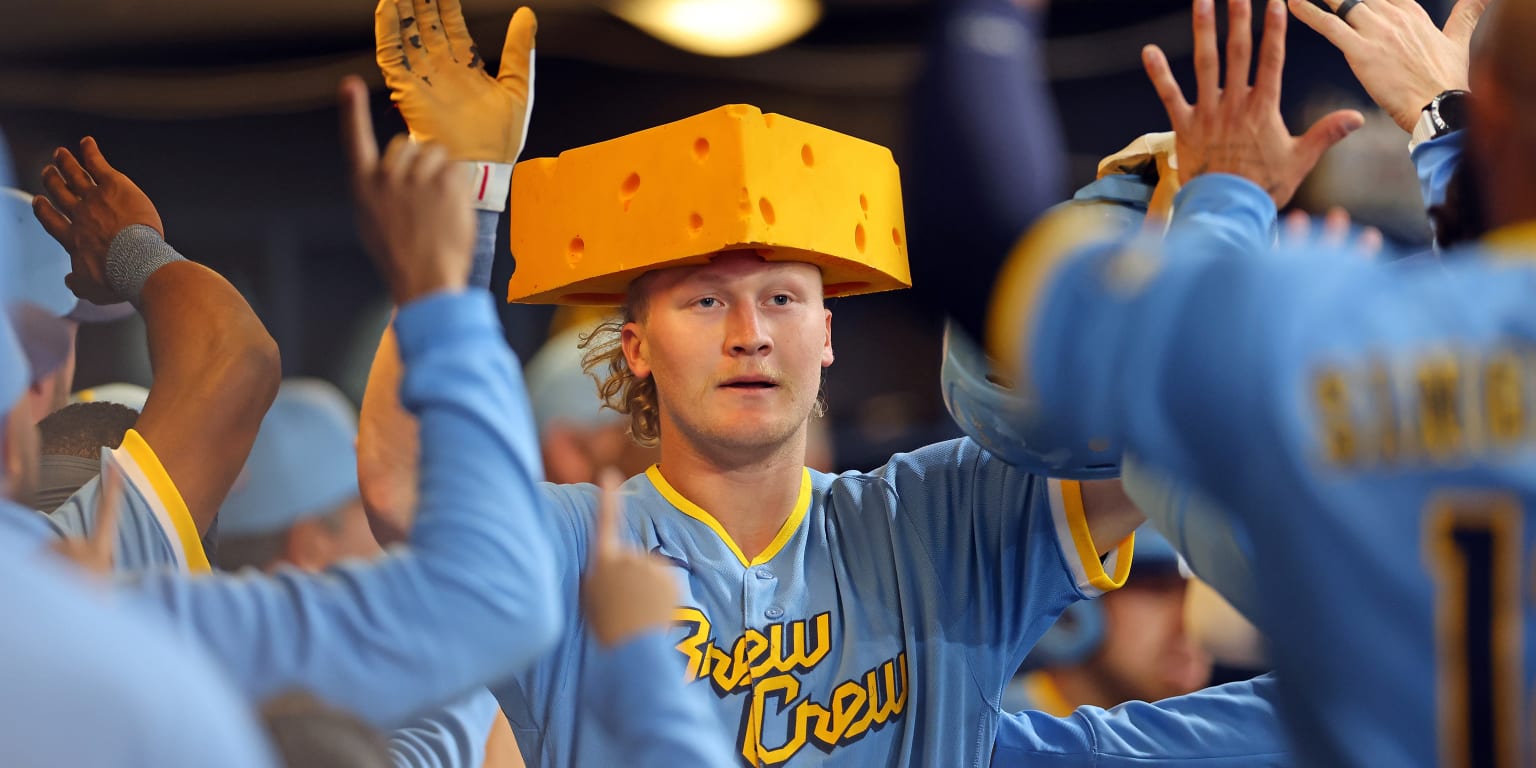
x: 1515, y: 236
x: 802, y: 506
x: 1046, y: 695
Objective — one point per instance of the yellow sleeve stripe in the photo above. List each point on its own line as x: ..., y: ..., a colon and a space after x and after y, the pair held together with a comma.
x: 162, y: 492
x: 796, y: 516
x: 1066, y: 497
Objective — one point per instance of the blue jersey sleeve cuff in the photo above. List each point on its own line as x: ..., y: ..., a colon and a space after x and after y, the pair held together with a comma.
x: 1228, y: 204
x: 1435, y: 161
x: 429, y: 321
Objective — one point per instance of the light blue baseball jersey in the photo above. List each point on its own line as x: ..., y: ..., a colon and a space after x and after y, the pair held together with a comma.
x: 87, y: 682
x: 1371, y: 428
x: 155, y: 529
x: 453, y: 736
x: 878, y: 628
x: 472, y: 599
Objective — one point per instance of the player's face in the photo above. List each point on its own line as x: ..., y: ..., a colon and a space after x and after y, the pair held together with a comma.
x: 736, y: 348
x: 1147, y: 654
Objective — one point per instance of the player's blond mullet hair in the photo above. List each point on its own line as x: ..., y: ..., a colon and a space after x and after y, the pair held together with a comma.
x: 617, y: 385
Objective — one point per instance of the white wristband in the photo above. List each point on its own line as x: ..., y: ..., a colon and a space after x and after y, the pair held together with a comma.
x: 490, y: 183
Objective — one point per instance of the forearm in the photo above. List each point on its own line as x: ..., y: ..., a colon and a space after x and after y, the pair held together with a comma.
x: 473, y: 598
x: 388, y: 446
x: 1235, y: 725
x: 216, y: 371
x: 638, y: 695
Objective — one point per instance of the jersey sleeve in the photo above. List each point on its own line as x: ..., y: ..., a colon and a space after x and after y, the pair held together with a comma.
x: 636, y: 693
x: 1435, y: 162
x: 472, y: 599
x: 155, y: 528
x: 451, y: 737
x: 1236, y: 725
x: 1008, y: 550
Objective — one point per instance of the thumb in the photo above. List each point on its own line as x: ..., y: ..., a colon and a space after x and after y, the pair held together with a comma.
x: 515, y: 73
x: 1463, y: 20
x: 1325, y: 133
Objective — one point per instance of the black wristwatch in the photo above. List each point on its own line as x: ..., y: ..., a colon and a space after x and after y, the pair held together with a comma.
x: 1446, y: 114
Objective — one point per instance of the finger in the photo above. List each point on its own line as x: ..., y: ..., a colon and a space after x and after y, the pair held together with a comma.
x: 1331, y: 27
x: 1370, y: 241
x: 95, y: 162
x: 1336, y: 225
x: 1266, y: 86
x: 515, y: 72
x: 1298, y: 225
x: 414, y: 48
x: 56, y: 224
x: 108, y: 502
x: 606, y: 529
x: 1167, y: 87
x: 389, y: 46
x: 460, y: 44
x: 1463, y: 20
x: 397, y: 158
x: 429, y: 24
x: 357, y: 138
x: 1207, y: 57
x: 57, y: 190
x: 1360, y: 16
x: 1325, y: 133
x: 73, y: 175
x: 1239, y: 43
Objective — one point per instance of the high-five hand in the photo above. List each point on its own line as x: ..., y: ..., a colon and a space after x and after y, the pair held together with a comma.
x: 1236, y: 128
x: 1400, y: 57
x: 437, y: 78
x: 412, y: 205
x: 88, y: 203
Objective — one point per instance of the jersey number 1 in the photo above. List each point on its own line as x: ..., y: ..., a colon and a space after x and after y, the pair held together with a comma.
x: 1473, y: 543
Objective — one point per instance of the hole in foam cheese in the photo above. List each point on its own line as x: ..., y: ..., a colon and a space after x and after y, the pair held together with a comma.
x: 727, y: 179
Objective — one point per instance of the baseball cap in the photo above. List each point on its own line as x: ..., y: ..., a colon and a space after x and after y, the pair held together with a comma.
x: 560, y: 391
x: 303, y: 464
x: 120, y: 392
x: 40, y: 265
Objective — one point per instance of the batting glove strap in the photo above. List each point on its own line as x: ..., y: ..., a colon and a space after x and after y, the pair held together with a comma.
x: 490, y: 184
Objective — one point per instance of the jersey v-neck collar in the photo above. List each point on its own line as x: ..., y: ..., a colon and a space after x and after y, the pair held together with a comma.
x: 683, y: 505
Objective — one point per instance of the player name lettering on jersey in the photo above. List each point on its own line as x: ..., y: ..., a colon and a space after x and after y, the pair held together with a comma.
x: 1435, y: 408
x: 764, y: 668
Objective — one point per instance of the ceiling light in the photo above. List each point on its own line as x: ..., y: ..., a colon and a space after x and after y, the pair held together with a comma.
x: 721, y: 27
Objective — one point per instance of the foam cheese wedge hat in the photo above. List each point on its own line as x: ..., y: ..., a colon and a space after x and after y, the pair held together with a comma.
x: 587, y: 223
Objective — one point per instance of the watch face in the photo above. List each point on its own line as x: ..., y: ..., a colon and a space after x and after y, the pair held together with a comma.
x: 1451, y: 111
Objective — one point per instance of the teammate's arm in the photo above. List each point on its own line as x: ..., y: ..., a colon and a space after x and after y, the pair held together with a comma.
x: 438, y: 80
x: 216, y: 369
x: 453, y: 736
x: 1236, y: 725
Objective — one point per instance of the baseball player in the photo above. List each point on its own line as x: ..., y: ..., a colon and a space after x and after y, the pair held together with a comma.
x: 863, y: 619
x: 146, y: 698
x: 1381, y: 463
x: 198, y: 424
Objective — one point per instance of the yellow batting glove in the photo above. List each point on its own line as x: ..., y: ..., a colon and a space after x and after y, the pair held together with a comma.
x: 438, y: 80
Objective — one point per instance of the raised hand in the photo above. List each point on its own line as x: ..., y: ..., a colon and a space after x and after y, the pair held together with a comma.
x: 95, y: 553
x: 413, y: 205
x: 1395, y: 50
x: 1235, y: 127
x: 87, y: 203
x: 437, y: 78
x: 624, y: 591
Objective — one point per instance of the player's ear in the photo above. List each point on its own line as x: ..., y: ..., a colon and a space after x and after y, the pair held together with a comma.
x: 826, y: 350
x: 636, y: 354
